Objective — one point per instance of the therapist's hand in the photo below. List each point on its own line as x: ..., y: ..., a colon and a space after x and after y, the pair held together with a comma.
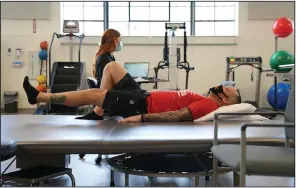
x: 131, y: 119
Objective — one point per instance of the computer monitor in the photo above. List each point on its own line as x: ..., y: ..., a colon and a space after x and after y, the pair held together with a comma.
x: 137, y: 69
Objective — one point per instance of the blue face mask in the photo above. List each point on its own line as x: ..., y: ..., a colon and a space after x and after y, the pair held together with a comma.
x: 119, y: 46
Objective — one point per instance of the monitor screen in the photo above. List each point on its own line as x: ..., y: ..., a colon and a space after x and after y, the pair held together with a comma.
x: 137, y: 69
x: 71, y: 26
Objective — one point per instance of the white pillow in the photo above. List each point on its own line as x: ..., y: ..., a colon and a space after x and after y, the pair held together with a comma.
x: 235, y: 108
x: 249, y: 118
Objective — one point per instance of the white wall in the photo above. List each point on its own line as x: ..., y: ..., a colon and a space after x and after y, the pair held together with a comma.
x: 255, y: 39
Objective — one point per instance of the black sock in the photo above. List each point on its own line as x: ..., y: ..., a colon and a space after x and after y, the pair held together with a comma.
x: 31, y: 92
x: 91, y: 116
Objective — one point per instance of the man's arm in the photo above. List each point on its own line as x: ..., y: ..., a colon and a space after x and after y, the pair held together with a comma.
x: 184, y: 114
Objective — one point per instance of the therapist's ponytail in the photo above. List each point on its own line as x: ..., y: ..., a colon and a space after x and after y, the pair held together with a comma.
x: 107, y: 44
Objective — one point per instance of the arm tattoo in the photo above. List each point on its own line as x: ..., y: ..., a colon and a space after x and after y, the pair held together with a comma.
x: 171, y: 116
x: 57, y: 99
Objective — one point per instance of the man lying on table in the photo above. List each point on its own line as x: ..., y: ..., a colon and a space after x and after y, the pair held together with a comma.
x: 120, y: 95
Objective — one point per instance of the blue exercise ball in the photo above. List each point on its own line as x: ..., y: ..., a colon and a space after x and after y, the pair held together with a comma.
x: 43, y: 54
x: 283, y: 90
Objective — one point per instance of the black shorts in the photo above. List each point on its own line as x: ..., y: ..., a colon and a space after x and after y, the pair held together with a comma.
x: 125, y: 99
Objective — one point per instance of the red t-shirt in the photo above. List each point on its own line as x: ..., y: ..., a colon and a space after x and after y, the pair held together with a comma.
x: 163, y: 101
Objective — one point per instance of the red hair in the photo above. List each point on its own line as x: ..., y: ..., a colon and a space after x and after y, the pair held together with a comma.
x: 106, y: 44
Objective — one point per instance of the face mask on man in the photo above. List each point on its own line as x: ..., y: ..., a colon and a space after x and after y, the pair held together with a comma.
x: 217, y: 90
x: 119, y: 46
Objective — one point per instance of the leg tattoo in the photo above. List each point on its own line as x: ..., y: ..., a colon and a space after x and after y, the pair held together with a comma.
x: 57, y: 99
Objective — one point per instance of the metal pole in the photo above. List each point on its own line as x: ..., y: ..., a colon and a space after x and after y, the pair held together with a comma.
x: 126, y: 180
x: 71, y: 48
x: 50, y: 59
x: 79, y: 49
x: 258, y: 84
x: 185, y: 46
x: 46, y: 72
x: 173, y: 70
x: 227, y: 69
x: 275, y: 92
x: 275, y: 78
x: 156, y: 76
x: 214, y: 159
x: 187, y: 78
x: 243, y: 157
x: 193, y: 18
x: 233, y: 75
x: 196, y: 181
x: 105, y: 15
x: 166, y: 46
x: 275, y: 43
x: 72, y: 179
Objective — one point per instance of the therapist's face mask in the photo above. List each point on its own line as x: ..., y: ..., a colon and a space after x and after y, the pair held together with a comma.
x: 217, y: 90
x: 119, y: 46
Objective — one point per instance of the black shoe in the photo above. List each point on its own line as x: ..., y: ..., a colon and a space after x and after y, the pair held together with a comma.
x: 90, y: 116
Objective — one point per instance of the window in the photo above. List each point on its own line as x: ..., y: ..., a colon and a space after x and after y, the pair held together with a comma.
x: 118, y: 15
x: 89, y: 14
x: 149, y: 11
x: 149, y: 18
x: 181, y: 12
x: 216, y: 19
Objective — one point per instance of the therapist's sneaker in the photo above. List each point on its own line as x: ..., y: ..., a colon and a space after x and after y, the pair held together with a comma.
x: 31, y: 92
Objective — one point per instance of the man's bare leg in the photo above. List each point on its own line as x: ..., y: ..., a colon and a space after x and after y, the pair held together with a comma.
x: 112, y: 74
x: 73, y: 98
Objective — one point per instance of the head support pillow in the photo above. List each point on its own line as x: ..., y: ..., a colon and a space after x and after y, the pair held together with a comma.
x: 235, y: 108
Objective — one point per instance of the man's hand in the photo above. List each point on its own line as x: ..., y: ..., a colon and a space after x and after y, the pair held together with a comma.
x: 131, y: 119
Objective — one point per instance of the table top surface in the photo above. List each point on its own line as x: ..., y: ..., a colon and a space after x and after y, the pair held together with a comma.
x: 59, y: 130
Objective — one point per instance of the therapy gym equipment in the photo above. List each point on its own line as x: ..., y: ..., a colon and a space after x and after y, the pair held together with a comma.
x: 67, y: 76
x: 171, y: 56
x: 282, y: 62
x: 282, y: 94
x: 255, y: 62
x: 283, y: 27
x: 281, y: 58
x: 41, y: 78
x: 70, y: 27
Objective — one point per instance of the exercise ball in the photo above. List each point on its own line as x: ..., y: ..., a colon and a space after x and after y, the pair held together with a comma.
x: 41, y: 79
x: 281, y: 57
x: 44, y: 45
x: 283, y: 27
x: 43, y: 54
x: 283, y: 90
x: 41, y: 88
